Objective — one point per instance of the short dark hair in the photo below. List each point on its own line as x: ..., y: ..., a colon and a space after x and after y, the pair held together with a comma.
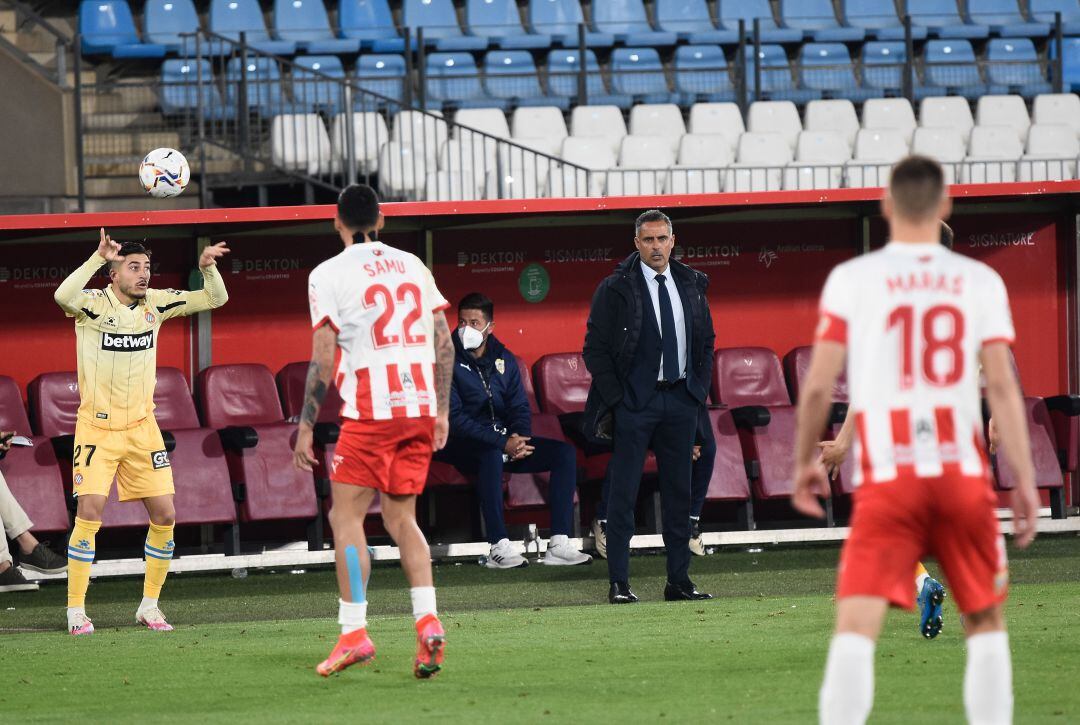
x: 948, y: 238
x: 653, y: 215
x: 916, y: 187
x: 478, y: 301
x: 358, y: 207
x: 128, y: 248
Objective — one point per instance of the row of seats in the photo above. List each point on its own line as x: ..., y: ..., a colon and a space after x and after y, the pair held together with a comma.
x: 108, y: 26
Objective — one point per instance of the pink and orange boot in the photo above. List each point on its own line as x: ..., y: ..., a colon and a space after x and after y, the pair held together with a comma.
x: 352, y: 648
x: 430, y: 643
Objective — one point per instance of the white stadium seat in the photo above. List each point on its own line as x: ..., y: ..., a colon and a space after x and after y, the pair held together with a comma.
x: 834, y: 115
x: 992, y: 155
x: 820, y: 157
x: 299, y: 142
x: 550, y: 145
x: 890, y: 114
x: 488, y: 120
x: 947, y: 112
x: 761, y: 161
x: 702, y: 159
x: 537, y: 121
x: 402, y: 170
x: 475, y: 152
x: 369, y: 133
x: 1051, y: 153
x: 658, y: 119
x: 603, y: 122
x: 422, y: 132
x: 1004, y: 111
x: 946, y: 145
x: 1057, y: 108
x: 779, y: 117
x: 643, y: 164
x: 590, y: 153
x: 876, y: 150
x: 452, y: 186
x: 724, y: 119
x: 522, y: 176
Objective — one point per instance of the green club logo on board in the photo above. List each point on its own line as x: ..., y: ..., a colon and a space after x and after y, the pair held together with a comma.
x: 534, y: 283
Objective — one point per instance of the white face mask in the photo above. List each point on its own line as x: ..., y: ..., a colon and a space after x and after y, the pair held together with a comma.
x: 471, y: 338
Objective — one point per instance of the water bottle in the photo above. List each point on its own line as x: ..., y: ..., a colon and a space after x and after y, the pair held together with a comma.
x: 240, y: 573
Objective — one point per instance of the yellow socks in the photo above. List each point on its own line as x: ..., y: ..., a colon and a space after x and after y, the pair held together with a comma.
x: 159, y: 551
x: 80, y: 556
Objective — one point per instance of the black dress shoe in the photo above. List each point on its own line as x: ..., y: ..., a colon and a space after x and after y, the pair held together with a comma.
x: 685, y: 592
x: 620, y: 594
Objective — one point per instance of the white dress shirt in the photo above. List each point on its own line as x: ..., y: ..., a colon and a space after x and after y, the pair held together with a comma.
x: 676, y: 310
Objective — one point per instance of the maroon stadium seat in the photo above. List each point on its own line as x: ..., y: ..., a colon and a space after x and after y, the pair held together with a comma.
x: 729, y: 475
x: 32, y: 474
x: 241, y: 402
x: 1044, y: 454
x: 527, y: 383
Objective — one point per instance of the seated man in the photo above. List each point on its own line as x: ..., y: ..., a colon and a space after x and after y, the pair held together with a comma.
x: 491, y: 432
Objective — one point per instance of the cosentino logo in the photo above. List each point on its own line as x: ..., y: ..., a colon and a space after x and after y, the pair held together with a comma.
x: 1005, y: 239
x: 127, y: 342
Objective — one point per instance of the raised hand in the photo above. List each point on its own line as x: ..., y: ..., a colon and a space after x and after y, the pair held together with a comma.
x: 109, y: 249
x: 209, y: 256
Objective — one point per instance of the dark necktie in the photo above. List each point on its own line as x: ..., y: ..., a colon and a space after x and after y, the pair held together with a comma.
x: 667, y: 331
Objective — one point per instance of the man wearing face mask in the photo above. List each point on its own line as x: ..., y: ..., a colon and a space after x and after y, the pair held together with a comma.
x: 491, y: 433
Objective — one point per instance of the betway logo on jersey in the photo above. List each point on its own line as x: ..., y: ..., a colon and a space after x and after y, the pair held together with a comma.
x: 127, y: 342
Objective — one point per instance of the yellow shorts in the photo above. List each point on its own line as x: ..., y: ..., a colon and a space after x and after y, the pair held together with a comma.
x: 136, y: 457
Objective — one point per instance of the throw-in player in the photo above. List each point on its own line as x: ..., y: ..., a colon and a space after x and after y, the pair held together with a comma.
x: 116, y: 333
x: 379, y: 307
x: 914, y: 321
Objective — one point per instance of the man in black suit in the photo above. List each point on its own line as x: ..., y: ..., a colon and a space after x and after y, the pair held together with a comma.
x: 649, y: 348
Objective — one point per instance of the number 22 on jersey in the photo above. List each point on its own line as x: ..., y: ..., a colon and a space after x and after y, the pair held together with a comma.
x: 382, y: 333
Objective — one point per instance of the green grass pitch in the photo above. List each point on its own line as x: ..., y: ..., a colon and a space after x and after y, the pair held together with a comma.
x: 527, y: 646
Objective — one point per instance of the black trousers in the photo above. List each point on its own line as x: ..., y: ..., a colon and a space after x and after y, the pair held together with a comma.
x: 667, y: 424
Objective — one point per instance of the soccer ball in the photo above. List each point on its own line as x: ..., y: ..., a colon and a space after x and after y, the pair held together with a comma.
x: 164, y: 173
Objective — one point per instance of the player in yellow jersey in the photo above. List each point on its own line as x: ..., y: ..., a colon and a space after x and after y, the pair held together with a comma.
x: 116, y: 331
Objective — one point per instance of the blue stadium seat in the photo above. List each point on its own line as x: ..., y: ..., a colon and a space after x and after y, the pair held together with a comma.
x: 306, y: 23
x: 883, y: 66
x: 627, y: 20
x: 453, y: 79
x: 701, y: 74
x: 827, y: 67
x: 950, y: 69
x: 1013, y: 67
x: 164, y: 21
x: 180, y: 89
x: 511, y: 76
x: 563, y: 69
x: 439, y: 21
x: 1005, y: 19
x: 382, y: 74
x: 500, y: 23
x: 1043, y: 11
x: 232, y: 17
x: 690, y: 20
x: 817, y: 19
x: 942, y: 19
x: 107, y: 28
x: 264, y: 92
x: 878, y: 18
x: 731, y: 11
x: 560, y: 19
x: 776, y: 81
x: 312, y: 92
x: 1070, y: 64
x: 370, y: 22
x: 638, y: 72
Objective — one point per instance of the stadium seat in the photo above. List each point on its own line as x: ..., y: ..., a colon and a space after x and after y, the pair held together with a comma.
x: 890, y: 113
x: 776, y: 79
x: 760, y: 163
x: 181, y: 91
x: 992, y: 155
x: 538, y: 121
x: 425, y: 132
x: 510, y: 75
x: 1005, y: 19
x: 1004, y: 111
x: 1042, y: 11
x: 729, y: 480
x: 594, y: 154
x: 691, y: 21
x: 439, y: 22
x: 701, y: 163
x: 876, y: 150
x: 943, y: 144
x: 878, y: 18
x: 476, y: 154
x: 32, y: 474
x: 402, y: 170
x: 643, y: 164
x: 1070, y: 63
x: 523, y: 175
x: 701, y: 72
x: 883, y: 67
x: 381, y: 74
x: 600, y: 122
x: 372, y: 23
x: 637, y: 72
x: 627, y: 21
x: 165, y: 21
x: 453, y: 79
x: 949, y: 68
x: 732, y: 11
x: 658, y: 119
x: 779, y: 117
x: 560, y: 19
x: 820, y: 157
x: 311, y: 90
x: 241, y: 402
x: 107, y: 28
x: 836, y: 115
x: 942, y: 19
x: 369, y: 133
x: 1050, y: 154
x: 306, y: 23
x: 563, y: 72
x: 229, y: 18
x: 1057, y: 108
x: 817, y: 20
x: 264, y: 92
x: 947, y: 112
x: 500, y: 23
x: 547, y: 145
x: 717, y: 118
x: 300, y: 142
x: 491, y: 121
x: 1044, y: 455
x: 827, y: 68
x: 1012, y: 66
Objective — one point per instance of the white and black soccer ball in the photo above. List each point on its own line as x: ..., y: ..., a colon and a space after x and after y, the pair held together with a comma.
x: 164, y: 173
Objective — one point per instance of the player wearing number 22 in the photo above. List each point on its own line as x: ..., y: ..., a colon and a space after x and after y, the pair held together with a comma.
x: 116, y: 333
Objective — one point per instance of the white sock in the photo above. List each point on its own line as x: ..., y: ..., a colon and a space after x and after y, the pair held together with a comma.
x: 559, y: 540
x: 147, y: 603
x: 919, y: 581
x: 351, y: 615
x: 695, y: 518
x: 847, y: 694
x: 72, y: 611
x: 988, y: 692
x: 423, y: 601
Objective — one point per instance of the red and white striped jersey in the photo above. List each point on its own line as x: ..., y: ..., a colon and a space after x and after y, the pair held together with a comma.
x: 914, y: 318
x: 381, y: 302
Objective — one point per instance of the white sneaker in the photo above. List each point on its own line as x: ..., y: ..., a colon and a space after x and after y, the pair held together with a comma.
x: 152, y: 618
x: 561, y: 553
x: 78, y: 623
x: 697, y: 546
x: 503, y: 556
x: 599, y: 534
